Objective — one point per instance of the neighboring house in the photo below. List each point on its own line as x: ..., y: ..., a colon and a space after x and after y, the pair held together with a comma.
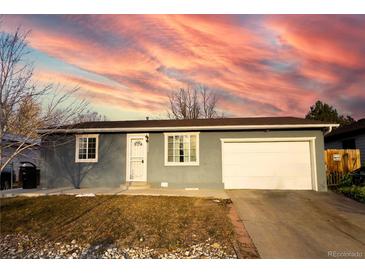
x: 11, y: 143
x: 348, y: 137
x: 231, y: 153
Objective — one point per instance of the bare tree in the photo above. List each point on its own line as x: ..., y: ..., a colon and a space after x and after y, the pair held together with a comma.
x: 193, y: 103
x: 88, y: 116
x: 22, y: 108
x: 19, y: 119
x: 209, y: 103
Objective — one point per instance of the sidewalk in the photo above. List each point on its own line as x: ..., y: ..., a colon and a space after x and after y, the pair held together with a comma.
x: 204, y: 193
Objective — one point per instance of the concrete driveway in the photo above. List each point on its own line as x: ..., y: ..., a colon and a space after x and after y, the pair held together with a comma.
x: 302, y: 224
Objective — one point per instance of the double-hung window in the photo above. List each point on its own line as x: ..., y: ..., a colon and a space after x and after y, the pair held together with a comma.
x: 87, y: 148
x: 182, y: 149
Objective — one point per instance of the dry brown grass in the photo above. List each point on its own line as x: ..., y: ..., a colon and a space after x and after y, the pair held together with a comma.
x: 157, y: 222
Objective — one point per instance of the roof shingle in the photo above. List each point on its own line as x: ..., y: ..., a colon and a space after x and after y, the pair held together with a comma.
x: 353, y: 128
x: 195, y: 122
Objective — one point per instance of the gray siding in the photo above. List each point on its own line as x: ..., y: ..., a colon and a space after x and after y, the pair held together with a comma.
x: 209, y: 173
x: 333, y: 145
x: 59, y: 168
x: 359, y: 142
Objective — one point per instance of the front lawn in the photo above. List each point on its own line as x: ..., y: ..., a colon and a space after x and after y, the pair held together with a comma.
x: 104, y: 225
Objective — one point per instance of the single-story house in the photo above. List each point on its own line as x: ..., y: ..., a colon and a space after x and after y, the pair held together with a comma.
x: 230, y: 153
x: 348, y: 137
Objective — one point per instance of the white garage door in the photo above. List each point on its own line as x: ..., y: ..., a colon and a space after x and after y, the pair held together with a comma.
x: 266, y: 165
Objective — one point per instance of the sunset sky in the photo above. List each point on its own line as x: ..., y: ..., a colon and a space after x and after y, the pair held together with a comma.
x: 261, y: 65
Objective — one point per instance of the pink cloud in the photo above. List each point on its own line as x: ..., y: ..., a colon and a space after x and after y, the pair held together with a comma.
x: 334, y: 39
x: 278, y: 66
x: 329, y: 50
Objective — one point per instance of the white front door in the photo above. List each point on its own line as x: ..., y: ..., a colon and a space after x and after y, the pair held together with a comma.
x: 136, y: 157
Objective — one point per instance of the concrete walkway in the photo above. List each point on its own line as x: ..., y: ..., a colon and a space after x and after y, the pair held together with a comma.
x: 58, y: 191
x: 302, y: 224
x: 204, y: 193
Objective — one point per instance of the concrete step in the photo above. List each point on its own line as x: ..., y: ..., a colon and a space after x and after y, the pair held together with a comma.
x: 139, y: 185
x: 124, y: 186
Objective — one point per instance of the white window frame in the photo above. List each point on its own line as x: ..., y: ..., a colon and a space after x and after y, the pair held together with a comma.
x: 77, y: 146
x: 196, y: 163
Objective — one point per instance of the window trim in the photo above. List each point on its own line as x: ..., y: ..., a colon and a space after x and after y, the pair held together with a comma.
x: 196, y: 163
x: 77, y: 146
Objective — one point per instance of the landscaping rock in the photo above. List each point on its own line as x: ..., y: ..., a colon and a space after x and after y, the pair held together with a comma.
x: 25, y: 246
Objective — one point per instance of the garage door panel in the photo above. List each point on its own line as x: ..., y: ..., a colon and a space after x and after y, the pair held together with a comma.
x: 267, y: 147
x: 267, y: 165
x: 276, y: 169
x: 272, y: 158
x: 295, y: 183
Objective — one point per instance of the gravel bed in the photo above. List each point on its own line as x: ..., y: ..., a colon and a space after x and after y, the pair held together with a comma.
x: 21, y: 246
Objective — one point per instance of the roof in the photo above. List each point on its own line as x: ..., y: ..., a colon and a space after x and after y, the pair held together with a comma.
x: 14, y: 138
x: 193, y: 124
x: 352, y: 129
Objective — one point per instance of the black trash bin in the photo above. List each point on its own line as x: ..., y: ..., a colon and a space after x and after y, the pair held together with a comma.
x: 5, y: 178
x: 28, y: 175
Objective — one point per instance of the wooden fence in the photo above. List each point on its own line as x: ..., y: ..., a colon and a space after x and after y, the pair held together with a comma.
x: 334, y: 178
x: 339, y: 162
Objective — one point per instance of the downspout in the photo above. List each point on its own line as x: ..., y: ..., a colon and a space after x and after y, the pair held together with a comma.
x: 328, y: 130
x: 330, y: 127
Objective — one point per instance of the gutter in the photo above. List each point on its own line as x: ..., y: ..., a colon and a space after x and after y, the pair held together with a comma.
x: 329, y: 130
x: 187, y: 128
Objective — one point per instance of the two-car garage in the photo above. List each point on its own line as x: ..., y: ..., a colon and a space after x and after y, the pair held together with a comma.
x: 278, y: 163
